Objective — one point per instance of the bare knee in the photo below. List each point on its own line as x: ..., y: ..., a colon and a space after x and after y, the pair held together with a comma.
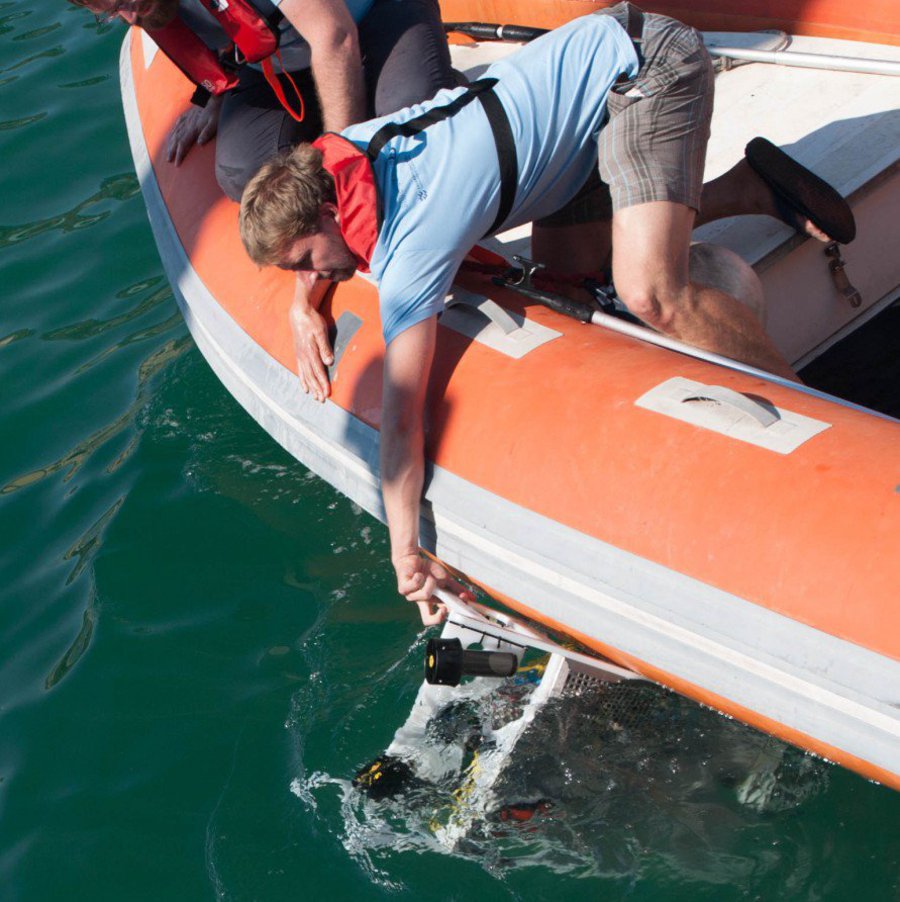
x: 656, y: 306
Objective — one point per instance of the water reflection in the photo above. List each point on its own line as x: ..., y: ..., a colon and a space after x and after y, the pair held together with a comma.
x: 83, y: 553
x: 75, y: 458
x: 78, y: 647
x: 51, y: 53
x: 118, y: 188
x: 38, y: 32
x: 12, y: 124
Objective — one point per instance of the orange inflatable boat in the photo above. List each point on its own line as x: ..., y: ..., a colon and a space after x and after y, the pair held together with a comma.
x: 722, y: 532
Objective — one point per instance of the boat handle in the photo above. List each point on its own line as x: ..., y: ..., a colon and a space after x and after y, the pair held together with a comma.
x: 491, y: 309
x: 764, y: 414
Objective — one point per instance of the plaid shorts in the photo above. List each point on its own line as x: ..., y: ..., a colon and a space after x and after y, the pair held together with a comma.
x: 653, y: 145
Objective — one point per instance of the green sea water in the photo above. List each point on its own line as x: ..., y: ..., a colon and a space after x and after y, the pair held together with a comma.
x: 200, y: 642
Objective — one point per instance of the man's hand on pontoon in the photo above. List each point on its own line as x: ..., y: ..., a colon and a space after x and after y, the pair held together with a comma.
x: 197, y: 125
x: 311, y: 343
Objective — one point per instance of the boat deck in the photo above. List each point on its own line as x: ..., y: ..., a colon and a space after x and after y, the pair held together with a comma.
x: 843, y: 125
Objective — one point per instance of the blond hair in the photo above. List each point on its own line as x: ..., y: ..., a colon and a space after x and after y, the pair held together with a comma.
x: 282, y: 203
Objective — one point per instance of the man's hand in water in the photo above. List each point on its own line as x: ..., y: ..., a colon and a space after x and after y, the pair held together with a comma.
x: 417, y: 579
x: 196, y: 125
x: 311, y: 344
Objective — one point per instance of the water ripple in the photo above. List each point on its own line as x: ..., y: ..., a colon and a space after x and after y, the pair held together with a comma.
x: 12, y: 124
x: 91, y: 328
x: 13, y: 337
x: 84, y: 83
x: 74, y: 459
x: 76, y: 650
x: 5, y: 26
x: 38, y: 32
x: 118, y: 188
x: 83, y: 553
x: 44, y: 54
x: 87, y: 546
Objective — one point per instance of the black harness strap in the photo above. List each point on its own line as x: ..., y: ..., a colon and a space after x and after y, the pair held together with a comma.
x: 506, y: 157
x: 500, y: 127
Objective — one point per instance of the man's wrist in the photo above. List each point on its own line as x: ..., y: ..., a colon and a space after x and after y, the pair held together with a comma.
x: 301, y: 305
x: 308, y: 295
x: 400, y: 556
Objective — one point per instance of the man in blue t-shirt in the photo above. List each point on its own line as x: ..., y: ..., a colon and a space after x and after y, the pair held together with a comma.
x: 350, y: 59
x: 633, y: 92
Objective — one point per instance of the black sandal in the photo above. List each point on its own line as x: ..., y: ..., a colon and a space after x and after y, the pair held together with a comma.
x: 800, y: 194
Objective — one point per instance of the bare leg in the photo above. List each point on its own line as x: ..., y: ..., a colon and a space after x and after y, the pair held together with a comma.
x: 573, y: 248
x: 741, y: 191
x: 586, y: 248
x: 651, y: 272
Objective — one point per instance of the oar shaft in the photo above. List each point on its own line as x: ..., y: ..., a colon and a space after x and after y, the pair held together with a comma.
x: 492, y: 31
x: 809, y: 60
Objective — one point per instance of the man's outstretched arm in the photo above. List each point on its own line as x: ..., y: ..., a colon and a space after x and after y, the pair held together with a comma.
x: 407, y: 366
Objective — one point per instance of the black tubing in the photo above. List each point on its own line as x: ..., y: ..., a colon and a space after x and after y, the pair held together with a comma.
x: 487, y: 31
x: 489, y: 663
x: 556, y: 302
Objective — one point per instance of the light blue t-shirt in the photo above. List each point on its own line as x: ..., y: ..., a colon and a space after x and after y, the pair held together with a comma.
x: 441, y: 188
x: 295, y: 52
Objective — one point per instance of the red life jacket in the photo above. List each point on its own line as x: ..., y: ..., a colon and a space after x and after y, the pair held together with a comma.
x: 254, y: 40
x: 357, y: 195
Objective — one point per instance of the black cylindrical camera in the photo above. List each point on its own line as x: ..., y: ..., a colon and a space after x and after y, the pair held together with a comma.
x: 447, y: 662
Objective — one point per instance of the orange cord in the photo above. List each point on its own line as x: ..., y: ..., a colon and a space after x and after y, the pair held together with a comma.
x: 272, y: 79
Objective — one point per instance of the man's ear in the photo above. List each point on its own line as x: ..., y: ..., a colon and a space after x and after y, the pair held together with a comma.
x: 329, y: 209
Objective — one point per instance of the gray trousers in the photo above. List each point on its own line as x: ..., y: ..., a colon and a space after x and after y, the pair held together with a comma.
x: 405, y: 60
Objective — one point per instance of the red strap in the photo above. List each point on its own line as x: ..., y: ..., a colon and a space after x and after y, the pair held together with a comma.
x: 483, y: 255
x: 272, y: 79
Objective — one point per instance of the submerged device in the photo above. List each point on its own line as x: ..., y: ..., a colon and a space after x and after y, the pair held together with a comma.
x: 485, y: 644
x: 447, y: 662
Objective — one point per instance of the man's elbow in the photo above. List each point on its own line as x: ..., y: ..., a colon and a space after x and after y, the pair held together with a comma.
x: 401, y: 425
x: 337, y: 42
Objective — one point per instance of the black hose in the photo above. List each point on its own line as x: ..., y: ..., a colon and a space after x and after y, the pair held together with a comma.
x: 486, y: 31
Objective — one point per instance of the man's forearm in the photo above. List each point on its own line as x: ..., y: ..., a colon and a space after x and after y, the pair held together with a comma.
x: 402, y: 475
x: 335, y: 58
x: 338, y: 73
x: 407, y: 365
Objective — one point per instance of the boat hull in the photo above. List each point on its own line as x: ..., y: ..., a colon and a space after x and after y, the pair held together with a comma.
x: 758, y: 581
x: 877, y: 21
